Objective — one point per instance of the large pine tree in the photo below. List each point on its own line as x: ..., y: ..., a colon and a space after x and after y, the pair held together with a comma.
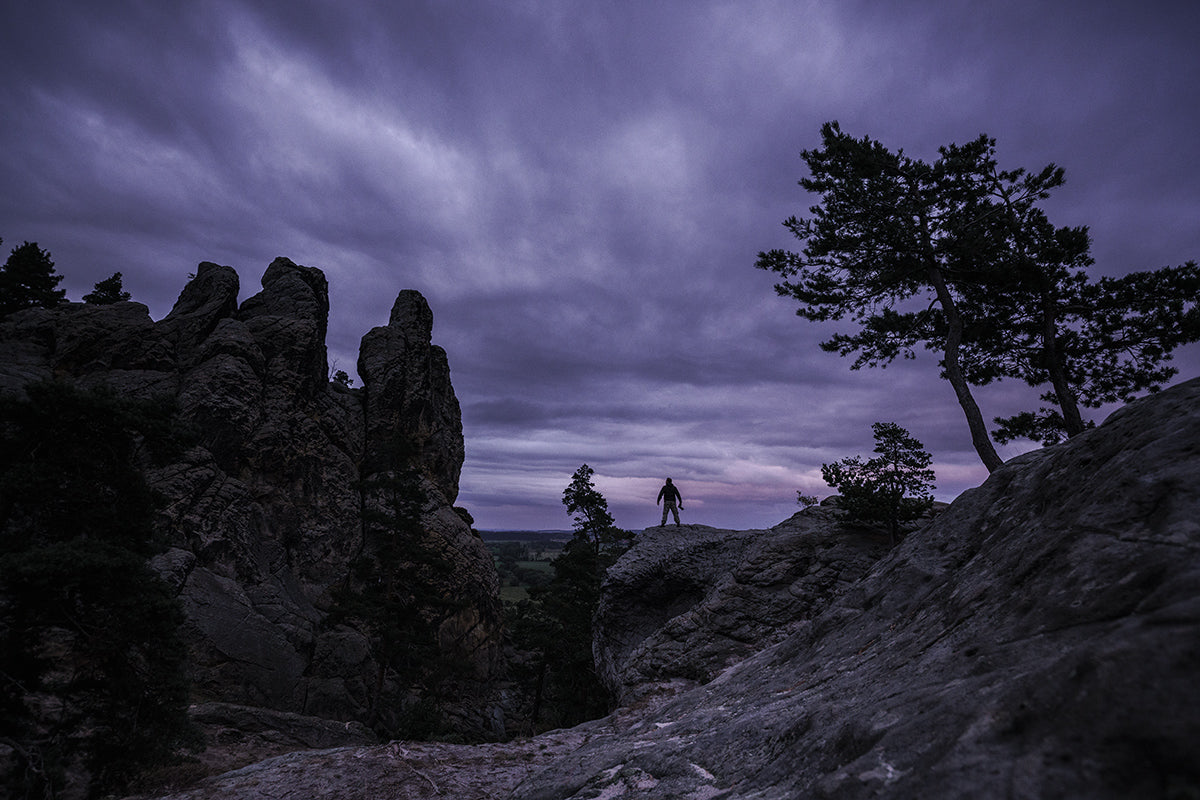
x: 957, y: 256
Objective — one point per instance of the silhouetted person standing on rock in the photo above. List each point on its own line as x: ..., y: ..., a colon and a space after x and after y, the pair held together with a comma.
x: 669, y: 496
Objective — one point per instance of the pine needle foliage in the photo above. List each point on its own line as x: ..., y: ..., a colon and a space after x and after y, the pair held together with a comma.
x: 107, y: 291
x: 28, y: 280
x: 959, y: 257
x: 890, y: 489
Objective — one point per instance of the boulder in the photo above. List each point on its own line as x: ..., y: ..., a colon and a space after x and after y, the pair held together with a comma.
x: 288, y: 319
x: 209, y: 297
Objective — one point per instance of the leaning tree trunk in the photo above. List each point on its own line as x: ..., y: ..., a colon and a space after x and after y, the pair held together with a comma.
x: 1063, y: 393
x: 954, y: 374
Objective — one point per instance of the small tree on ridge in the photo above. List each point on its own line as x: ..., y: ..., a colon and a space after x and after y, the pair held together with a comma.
x: 107, y: 291
x: 27, y: 280
x: 556, y: 622
x: 891, y: 488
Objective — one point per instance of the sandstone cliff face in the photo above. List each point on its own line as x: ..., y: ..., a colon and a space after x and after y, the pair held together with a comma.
x: 265, y: 513
x: 1038, y: 639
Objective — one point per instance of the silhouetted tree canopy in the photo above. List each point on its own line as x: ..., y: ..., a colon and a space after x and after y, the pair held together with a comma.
x: 107, y: 291
x: 889, y: 230
x: 28, y: 280
x: 890, y: 489
x: 1113, y: 340
x: 957, y: 256
x: 589, y: 509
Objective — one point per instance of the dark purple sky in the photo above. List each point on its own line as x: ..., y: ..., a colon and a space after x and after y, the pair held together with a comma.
x: 580, y: 190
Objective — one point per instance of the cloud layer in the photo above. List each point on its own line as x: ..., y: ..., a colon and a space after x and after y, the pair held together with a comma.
x: 580, y: 191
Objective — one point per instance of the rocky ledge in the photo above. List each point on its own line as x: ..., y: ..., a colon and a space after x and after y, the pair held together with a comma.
x: 1038, y: 639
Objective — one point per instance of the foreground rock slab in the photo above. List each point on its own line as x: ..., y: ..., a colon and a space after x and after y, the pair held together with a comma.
x: 400, y: 770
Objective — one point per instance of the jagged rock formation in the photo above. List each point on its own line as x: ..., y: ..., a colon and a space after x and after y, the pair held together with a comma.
x: 265, y: 512
x: 1040, y: 638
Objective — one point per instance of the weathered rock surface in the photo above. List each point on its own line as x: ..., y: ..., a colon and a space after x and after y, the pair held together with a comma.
x: 395, y: 771
x: 689, y: 601
x: 1038, y: 639
x: 409, y: 394
x: 265, y: 513
x: 237, y: 736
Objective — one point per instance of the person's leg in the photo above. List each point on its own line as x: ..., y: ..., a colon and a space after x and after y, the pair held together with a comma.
x: 675, y: 512
x: 664, y: 521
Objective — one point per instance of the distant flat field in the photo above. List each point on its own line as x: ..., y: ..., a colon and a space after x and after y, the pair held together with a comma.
x: 513, y: 594
x: 525, y: 536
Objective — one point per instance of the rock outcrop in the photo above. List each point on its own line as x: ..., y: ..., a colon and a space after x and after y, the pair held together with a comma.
x: 688, y: 602
x: 1040, y: 638
x: 265, y: 512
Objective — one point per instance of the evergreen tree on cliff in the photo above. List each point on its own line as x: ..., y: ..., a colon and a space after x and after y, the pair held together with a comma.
x: 1035, y: 314
x: 107, y: 291
x: 594, y: 525
x: 958, y: 257
x: 392, y: 595
x: 557, y: 621
x: 1114, y: 341
x: 890, y: 489
x: 27, y: 280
